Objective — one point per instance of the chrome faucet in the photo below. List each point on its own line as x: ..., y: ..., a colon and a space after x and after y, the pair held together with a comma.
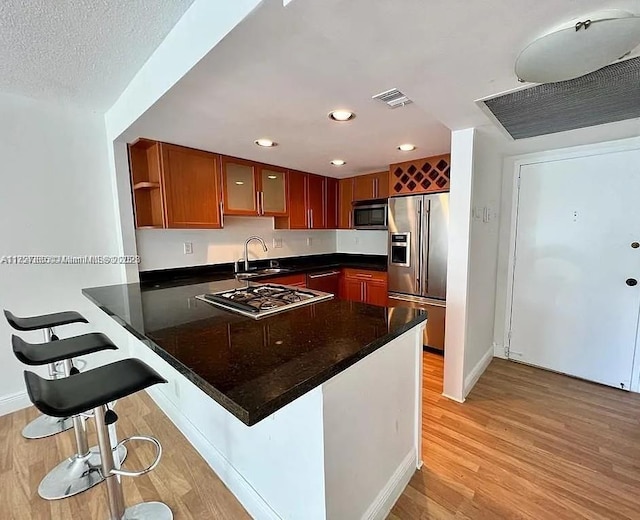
x: 246, y: 251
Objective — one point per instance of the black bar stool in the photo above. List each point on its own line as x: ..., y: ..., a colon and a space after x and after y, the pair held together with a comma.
x: 45, y: 426
x: 82, y: 470
x: 94, y: 389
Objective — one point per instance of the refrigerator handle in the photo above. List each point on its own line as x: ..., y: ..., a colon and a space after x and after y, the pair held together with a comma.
x: 418, y: 236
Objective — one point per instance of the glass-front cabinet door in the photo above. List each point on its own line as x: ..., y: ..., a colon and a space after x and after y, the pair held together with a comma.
x: 272, y: 191
x: 240, y: 187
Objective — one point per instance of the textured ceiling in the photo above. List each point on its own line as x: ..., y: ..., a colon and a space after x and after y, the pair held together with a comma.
x: 82, y: 52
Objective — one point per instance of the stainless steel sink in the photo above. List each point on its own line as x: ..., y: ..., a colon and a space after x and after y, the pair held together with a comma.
x: 273, y: 270
x: 261, y: 272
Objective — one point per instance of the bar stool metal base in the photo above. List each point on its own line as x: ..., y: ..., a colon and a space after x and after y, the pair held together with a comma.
x: 45, y: 426
x: 148, y: 511
x: 75, y: 475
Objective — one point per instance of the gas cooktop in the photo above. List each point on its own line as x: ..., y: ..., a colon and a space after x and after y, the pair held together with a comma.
x: 258, y: 301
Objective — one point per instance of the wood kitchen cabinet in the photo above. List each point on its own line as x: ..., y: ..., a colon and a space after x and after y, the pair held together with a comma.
x: 307, y: 202
x: 364, y: 286
x: 371, y: 186
x: 174, y: 186
x: 145, y: 164
x: 331, y: 203
x: 191, y: 188
x: 428, y: 175
x: 253, y: 189
x: 326, y: 281
x: 345, y: 200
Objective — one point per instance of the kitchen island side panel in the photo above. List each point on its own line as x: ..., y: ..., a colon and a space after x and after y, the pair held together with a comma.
x: 275, y: 468
x: 372, y: 429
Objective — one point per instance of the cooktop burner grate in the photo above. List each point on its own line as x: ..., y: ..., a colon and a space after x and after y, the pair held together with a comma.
x: 261, y: 300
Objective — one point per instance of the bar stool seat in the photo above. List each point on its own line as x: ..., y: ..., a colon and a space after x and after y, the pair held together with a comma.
x: 36, y: 354
x: 44, y: 426
x: 77, y: 394
x: 81, y: 471
x: 44, y: 321
x: 94, y: 389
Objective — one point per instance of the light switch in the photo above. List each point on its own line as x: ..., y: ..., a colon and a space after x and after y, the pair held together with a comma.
x: 188, y: 248
x: 277, y: 243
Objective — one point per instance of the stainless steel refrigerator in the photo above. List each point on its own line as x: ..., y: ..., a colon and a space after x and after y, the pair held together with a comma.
x: 418, y: 244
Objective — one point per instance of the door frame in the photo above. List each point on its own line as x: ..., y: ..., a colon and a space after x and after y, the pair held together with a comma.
x: 514, y: 164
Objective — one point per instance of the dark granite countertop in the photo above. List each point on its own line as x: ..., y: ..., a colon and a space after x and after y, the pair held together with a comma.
x: 163, y: 278
x: 252, y: 367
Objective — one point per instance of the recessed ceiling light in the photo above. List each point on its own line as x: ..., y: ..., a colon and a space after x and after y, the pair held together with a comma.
x: 341, y: 115
x: 407, y: 147
x: 239, y: 183
x: 338, y: 162
x: 272, y: 176
x: 265, y: 143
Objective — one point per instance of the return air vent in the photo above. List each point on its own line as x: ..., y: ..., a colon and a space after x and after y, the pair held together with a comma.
x: 604, y: 96
x: 393, y: 98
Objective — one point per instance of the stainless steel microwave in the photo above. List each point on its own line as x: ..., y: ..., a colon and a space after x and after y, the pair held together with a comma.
x: 370, y: 214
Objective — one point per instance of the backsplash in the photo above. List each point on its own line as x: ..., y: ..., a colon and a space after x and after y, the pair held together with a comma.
x: 164, y: 248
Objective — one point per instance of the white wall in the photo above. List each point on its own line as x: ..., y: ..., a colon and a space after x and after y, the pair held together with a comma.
x: 56, y: 199
x: 358, y: 241
x: 458, y: 262
x: 164, y: 248
x: 483, y: 256
x: 372, y: 431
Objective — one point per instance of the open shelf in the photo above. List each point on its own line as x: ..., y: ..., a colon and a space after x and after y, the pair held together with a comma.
x: 146, y: 179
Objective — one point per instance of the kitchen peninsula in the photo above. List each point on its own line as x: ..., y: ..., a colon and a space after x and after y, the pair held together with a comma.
x: 311, y: 413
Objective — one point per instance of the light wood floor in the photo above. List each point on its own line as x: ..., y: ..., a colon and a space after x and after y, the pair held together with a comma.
x: 527, y: 444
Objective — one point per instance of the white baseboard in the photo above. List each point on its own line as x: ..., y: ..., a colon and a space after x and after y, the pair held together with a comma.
x: 255, y: 505
x: 471, y: 380
x: 452, y: 398
x: 389, y: 495
x: 14, y: 402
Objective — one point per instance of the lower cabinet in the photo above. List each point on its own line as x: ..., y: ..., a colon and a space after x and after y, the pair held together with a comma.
x: 326, y: 281
x: 296, y: 280
x: 365, y: 286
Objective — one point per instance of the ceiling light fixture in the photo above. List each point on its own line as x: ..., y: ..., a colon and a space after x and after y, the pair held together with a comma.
x: 341, y: 115
x: 407, y: 147
x: 265, y: 143
x: 579, y: 47
x: 239, y: 183
x: 272, y: 176
x: 338, y: 162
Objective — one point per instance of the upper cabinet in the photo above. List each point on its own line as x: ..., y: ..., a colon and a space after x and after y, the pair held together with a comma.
x: 428, y: 175
x: 253, y: 189
x: 174, y: 187
x: 371, y: 186
x: 312, y: 202
x: 345, y: 200
x: 331, y: 205
x: 191, y: 187
x: 272, y: 189
x: 240, y: 187
x: 145, y: 163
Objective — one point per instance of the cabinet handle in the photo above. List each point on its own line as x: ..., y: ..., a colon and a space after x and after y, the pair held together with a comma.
x: 323, y: 274
x: 262, y: 202
x: 359, y: 275
x: 311, y: 216
x: 375, y: 188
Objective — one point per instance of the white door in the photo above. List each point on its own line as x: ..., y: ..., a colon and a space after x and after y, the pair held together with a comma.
x: 575, y: 308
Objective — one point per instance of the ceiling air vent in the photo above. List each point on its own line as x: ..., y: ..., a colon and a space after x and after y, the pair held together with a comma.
x: 393, y: 98
x: 604, y: 96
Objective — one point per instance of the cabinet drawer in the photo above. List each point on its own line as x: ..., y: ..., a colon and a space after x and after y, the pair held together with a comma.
x: 365, y: 275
